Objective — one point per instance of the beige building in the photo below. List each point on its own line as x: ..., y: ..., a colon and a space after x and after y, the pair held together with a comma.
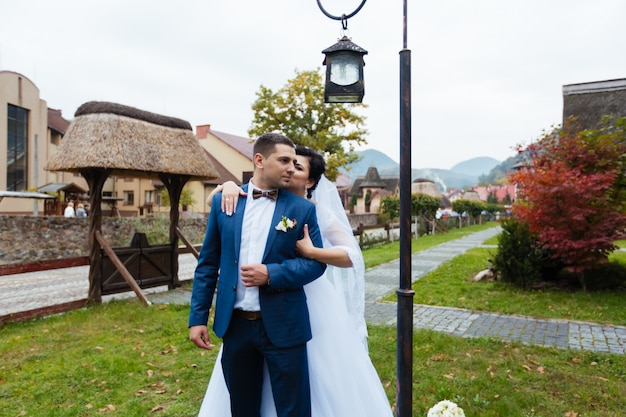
x: 29, y: 134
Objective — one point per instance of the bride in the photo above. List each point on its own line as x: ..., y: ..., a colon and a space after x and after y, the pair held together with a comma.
x: 343, y: 380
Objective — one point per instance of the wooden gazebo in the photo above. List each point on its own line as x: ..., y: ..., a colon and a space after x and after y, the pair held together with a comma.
x: 112, y: 139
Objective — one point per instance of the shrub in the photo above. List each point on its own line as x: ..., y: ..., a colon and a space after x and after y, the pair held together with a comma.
x: 518, y: 260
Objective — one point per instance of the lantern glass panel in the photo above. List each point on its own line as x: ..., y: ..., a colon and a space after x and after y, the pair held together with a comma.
x: 344, y: 69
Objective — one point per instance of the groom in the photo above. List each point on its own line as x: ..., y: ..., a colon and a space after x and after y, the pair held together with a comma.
x: 261, y: 312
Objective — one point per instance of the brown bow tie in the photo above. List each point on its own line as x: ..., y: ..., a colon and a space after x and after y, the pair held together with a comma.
x: 272, y: 194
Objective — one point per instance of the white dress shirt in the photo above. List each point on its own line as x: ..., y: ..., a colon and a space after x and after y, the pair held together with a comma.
x: 257, y: 219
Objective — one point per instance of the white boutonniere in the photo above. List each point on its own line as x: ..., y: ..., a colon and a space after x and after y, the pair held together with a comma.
x: 286, y: 224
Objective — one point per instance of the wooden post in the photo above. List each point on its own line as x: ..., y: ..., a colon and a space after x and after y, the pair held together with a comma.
x: 95, y: 180
x: 174, y: 184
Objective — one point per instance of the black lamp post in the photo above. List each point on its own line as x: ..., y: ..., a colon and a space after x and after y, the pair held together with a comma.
x: 344, y: 72
x: 344, y: 83
x: 404, y: 352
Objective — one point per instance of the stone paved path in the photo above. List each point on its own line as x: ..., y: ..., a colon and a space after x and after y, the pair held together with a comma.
x: 28, y: 291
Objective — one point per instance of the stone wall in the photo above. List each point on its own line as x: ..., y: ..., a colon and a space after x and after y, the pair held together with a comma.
x: 26, y: 239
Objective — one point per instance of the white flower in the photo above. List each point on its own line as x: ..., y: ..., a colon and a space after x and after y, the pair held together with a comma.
x: 286, y: 224
x: 446, y: 408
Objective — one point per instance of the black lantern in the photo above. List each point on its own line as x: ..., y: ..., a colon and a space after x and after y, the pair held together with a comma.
x: 344, y: 72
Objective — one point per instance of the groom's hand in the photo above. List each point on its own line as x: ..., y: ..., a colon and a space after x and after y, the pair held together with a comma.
x: 254, y: 275
x: 199, y: 335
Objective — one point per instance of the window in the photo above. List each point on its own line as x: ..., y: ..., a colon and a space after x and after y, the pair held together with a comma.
x: 17, y: 146
x: 150, y: 197
x: 129, y: 198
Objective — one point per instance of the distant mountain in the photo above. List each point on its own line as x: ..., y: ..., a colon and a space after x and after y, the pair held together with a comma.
x: 463, y: 174
x: 499, y: 172
x: 384, y: 164
x: 475, y: 166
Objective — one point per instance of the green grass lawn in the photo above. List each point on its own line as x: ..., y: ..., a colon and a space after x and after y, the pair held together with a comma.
x: 124, y: 359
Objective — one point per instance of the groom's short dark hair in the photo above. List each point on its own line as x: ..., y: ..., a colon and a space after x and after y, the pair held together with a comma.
x: 266, y: 143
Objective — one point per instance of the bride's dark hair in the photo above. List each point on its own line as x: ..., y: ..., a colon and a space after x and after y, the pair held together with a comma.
x: 317, y: 166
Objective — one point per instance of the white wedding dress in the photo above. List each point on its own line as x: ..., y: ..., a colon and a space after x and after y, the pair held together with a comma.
x: 343, y: 380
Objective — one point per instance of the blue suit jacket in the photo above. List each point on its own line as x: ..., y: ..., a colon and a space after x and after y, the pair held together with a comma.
x: 283, y: 303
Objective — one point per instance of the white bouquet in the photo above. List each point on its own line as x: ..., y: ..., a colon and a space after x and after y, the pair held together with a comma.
x: 446, y: 408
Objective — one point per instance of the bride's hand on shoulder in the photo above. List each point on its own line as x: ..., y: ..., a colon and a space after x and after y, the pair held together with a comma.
x: 230, y: 196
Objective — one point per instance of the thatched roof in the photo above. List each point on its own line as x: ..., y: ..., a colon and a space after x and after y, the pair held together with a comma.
x: 130, y: 142
x: 590, y: 102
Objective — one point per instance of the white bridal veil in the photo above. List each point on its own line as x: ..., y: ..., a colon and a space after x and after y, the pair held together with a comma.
x: 337, y: 232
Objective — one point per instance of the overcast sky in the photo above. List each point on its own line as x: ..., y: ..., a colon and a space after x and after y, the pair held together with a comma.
x: 486, y: 74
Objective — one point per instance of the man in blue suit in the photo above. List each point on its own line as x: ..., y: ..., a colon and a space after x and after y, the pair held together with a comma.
x: 261, y: 312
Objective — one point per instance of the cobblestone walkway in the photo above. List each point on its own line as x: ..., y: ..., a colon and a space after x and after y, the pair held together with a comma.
x: 28, y: 291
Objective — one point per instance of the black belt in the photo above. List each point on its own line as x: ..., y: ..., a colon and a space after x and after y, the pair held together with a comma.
x: 247, y: 315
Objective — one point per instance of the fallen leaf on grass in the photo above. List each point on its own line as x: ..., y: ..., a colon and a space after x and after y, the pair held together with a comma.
x: 449, y: 376
x: 570, y: 414
x: 157, y: 408
x: 437, y: 357
x: 532, y: 361
x: 109, y: 407
x: 602, y: 379
x: 528, y: 368
x: 150, y: 372
x: 576, y: 360
x: 540, y: 369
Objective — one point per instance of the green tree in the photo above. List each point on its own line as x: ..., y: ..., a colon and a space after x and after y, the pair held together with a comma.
x: 186, y: 198
x: 390, y: 206
x: 298, y: 111
x: 473, y: 208
x: 424, y: 205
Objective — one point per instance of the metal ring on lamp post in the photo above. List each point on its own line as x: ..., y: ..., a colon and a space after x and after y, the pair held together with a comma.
x: 343, y: 17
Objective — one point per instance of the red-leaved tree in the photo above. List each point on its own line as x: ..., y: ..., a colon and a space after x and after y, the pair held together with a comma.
x: 571, y: 193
